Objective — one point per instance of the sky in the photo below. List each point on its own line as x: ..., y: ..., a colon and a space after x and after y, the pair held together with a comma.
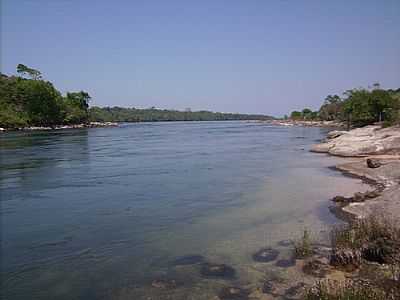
x: 248, y: 56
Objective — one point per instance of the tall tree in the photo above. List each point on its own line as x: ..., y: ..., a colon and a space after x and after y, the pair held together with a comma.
x: 26, y: 71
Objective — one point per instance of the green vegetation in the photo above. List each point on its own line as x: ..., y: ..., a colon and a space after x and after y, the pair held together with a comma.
x: 27, y: 100
x: 120, y: 114
x: 358, y: 107
x: 303, y: 247
x: 372, y: 245
x: 376, y: 238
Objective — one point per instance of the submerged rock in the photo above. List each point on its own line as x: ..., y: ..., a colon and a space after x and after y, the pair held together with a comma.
x: 188, y: 260
x: 266, y: 255
x: 217, y: 270
x: 164, y: 283
x: 286, y: 263
x: 233, y: 293
x: 285, y: 243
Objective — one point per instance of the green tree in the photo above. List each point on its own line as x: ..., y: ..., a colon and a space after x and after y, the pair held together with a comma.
x: 42, y: 102
x: 296, y: 115
x: 26, y: 71
x: 332, y: 109
x: 76, y: 107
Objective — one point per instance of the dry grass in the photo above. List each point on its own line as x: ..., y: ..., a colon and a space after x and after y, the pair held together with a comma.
x: 348, y: 290
x: 303, y: 247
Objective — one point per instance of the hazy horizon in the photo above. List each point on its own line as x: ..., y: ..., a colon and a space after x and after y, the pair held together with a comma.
x: 264, y: 57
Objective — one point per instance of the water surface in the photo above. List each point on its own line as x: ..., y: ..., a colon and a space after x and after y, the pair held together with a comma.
x: 100, y: 213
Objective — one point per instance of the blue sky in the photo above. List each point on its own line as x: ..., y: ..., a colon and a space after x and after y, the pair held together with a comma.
x: 258, y: 56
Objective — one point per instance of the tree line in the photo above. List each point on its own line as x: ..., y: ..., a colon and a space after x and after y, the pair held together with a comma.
x: 357, y: 107
x: 121, y: 114
x: 28, y: 100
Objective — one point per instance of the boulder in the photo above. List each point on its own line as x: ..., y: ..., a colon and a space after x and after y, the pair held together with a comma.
x: 373, y: 163
x: 334, y: 134
x: 363, y: 141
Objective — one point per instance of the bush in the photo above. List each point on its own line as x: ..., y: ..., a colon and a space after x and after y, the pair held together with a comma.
x: 376, y: 238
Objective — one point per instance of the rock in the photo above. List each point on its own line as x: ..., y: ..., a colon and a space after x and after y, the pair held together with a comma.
x: 363, y: 141
x: 295, y: 291
x: 269, y: 288
x: 164, y: 284
x: 347, y: 258
x: 286, y: 263
x: 266, y: 255
x: 188, y: 260
x: 334, y: 134
x: 372, y: 194
x: 285, y: 243
x: 233, y: 293
x: 217, y: 270
x: 341, y: 199
x: 373, y: 163
x: 358, y: 197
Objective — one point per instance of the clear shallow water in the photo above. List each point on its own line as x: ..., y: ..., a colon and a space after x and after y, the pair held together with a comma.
x: 100, y: 213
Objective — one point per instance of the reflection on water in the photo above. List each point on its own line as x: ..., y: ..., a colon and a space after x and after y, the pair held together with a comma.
x: 101, y: 213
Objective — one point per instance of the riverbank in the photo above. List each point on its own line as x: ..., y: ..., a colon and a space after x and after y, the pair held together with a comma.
x: 60, y: 127
x: 376, y: 159
x: 363, y: 256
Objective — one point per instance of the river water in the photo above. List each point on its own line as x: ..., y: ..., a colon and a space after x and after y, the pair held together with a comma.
x: 102, y: 213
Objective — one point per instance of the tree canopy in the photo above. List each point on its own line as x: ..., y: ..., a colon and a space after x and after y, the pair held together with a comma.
x: 358, y: 107
x: 36, y: 102
x: 28, y: 100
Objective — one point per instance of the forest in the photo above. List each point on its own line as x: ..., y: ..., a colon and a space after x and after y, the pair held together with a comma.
x: 26, y: 100
x: 357, y: 107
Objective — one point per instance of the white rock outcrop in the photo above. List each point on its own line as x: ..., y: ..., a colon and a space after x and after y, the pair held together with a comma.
x: 369, y: 140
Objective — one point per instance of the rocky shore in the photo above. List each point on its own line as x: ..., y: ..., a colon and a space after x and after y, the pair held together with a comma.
x: 376, y: 153
x: 59, y: 127
x: 304, y: 123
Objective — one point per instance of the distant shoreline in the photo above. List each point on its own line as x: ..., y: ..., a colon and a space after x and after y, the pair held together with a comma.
x: 274, y: 122
x: 61, y: 127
